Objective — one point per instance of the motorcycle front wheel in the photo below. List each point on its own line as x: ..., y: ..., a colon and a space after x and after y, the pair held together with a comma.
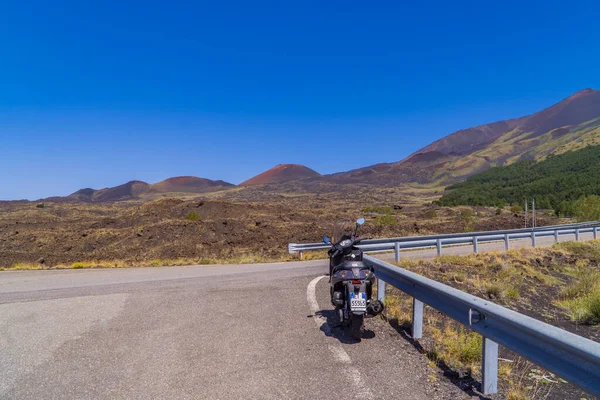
x: 357, y: 326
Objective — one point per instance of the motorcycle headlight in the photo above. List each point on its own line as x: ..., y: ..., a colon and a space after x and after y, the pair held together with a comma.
x: 346, y: 243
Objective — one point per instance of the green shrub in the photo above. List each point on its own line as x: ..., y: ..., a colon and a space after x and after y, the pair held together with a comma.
x: 430, y: 214
x: 516, y: 208
x: 468, y: 347
x: 587, y: 208
x: 458, y: 276
x: 494, y: 291
x: 586, y: 282
x: 582, y: 298
x: 513, y: 292
x: 389, y: 220
x: 587, y: 250
x: 386, y: 210
x: 584, y: 309
x: 41, y: 205
x: 466, y: 214
x: 457, y: 347
x: 192, y: 216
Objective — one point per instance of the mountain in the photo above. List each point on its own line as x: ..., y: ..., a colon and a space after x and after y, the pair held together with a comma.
x: 189, y: 184
x: 282, y: 173
x: 126, y: 191
x: 569, y: 125
x: 135, y: 189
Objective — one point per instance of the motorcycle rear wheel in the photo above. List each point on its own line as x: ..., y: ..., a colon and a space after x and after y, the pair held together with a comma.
x: 357, y: 326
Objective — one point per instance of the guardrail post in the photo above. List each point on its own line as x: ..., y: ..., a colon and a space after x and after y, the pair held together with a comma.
x: 506, y: 242
x: 595, y: 233
x: 556, y: 236
x: 489, y: 367
x: 300, y: 254
x: 577, y: 235
x: 417, y: 319
x: 381, y: 290
x: 475, y: 246
x: 533, y: 238
x: 439, y: 247
x: 397, y: 251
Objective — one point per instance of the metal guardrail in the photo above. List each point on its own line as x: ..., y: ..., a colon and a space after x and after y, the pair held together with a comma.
x: 569, y: 356
x: 474, y: 238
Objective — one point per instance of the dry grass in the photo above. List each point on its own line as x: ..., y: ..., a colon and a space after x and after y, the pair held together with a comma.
x: 526, y: 382
x: 550, y: 283
x: 588, y: 250
x: 582, y: 297
x: 508, y: 275
x: 379, y: 210
x: 168, y: 228
x: 192, y: 216
x: 457, y: 347
x: 448, y: 344
x: 385, y: 220
x: 312, y: 255
x: 91, y: 264
x: 25, y: 266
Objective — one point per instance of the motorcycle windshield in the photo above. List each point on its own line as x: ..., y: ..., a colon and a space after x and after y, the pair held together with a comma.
x: 343, y: 227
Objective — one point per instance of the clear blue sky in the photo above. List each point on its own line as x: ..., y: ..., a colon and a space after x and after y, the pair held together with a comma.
x: 94, y: 95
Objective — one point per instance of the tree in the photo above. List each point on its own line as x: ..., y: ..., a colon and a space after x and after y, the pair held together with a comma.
x: 588, y: 208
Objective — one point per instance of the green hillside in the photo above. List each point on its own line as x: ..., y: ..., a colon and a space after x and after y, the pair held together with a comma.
x: 555, y: 183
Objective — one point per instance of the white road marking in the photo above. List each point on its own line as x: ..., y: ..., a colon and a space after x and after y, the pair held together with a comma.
x: 339, y: 353
x: 311, y: 296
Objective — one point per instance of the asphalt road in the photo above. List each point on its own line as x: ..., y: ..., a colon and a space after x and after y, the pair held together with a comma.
x: 199, y: 332
x: 263, y: 331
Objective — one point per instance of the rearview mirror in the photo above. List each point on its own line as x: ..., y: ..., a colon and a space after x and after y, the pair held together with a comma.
x: 360, y: 221
x: 326, y: 240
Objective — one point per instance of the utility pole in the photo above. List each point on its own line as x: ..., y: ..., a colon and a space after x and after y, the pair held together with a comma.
x: 533, y: 212
x: 525, y: 213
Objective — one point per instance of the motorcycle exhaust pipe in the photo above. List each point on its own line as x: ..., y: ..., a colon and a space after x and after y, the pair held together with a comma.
x: 338, y: 298
x: 376, y: 307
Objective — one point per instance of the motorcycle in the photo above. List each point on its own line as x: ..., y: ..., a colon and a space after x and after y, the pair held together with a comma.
x: 350, y: 280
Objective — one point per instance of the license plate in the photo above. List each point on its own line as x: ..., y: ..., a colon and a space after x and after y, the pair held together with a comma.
x: 358, y: 301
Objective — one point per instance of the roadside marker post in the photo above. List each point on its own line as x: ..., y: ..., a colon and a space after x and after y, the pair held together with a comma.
x: 489, y: 366
x: 381, y: 290
x: 439, y: 247
x: 506, y: 242
x: 397, y: 251
x: 417, y: 319
x: 475, y: 245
